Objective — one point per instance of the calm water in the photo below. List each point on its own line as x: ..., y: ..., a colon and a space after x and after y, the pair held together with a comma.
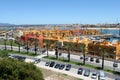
x: 116, y: 32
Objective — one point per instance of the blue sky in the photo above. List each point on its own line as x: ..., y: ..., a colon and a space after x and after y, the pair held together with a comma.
x: 59, y: 11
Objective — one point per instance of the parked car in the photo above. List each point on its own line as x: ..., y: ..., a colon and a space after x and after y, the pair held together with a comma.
x: 60, y: 54
x: 21, y: 58
x: 68, y: 67
x: 80, y: 71
x: 115, y: 64
x: 17, y: 57
x: 61, y: 66
x: 10, y: 56
x: 47, y: 63
x: 43, y: 51
x: 52, y: 64
x: 91, y: 59
x: 57, y: 66
x: 86, y: 58
x: 101, y: 75
x: 87, y: 72
x: 94, y: 75
x: 81, y: 57
x: 37, y: 61
x: 26, y: 47
x: 33, y: 49
x: 97, y: 60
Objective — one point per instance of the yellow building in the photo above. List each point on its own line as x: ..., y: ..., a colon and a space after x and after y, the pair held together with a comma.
x: 110, y: 50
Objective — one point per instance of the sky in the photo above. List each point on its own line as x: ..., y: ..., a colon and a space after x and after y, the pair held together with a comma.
x: 59, y: 11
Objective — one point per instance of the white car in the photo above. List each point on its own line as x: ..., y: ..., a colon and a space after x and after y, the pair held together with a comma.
x: 101, y: 75
x: 94, y: 75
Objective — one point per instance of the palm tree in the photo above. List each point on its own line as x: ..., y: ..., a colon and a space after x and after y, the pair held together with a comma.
x: 68, y: 54
x: 103, y: 52
x: 5, y: 44
x: 82, y: 47
x: 47, y: 46
x: 36, y: 44
x: 27, y: 47
x: 11, y: 43
x: 47, y: 49
x: 56, y: 52
x: 18, y: 42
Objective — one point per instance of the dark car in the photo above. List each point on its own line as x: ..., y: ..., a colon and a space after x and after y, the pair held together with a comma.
x: 97, y: 60
x: 117, y: 78
x: 115, y: 64
x: 80, y: 71
x: 26, y: 48
x: 34, y: 49
x: 43, y: 51
x: 86, y: 58
x: 81, y: 57
x: 37, y: 61
x: 60, y: 54
x: 57, y: 66
x: 87, y: 72
x: 61, y: 66
x: 47, y: 63
x: 52, y: 64
x: 91, y: 59
x: 19, y: 57
x: 68, y: 67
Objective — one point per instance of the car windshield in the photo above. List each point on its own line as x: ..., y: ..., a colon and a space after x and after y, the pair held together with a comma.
x: 68, y: 65
x: 80, y: 69
x: 94, y: 74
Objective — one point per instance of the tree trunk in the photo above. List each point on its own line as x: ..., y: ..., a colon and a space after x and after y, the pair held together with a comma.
x: 68, y: 54
x: 35, y: 49
x: 47, y: 50
x: 11, y: 45
x: 5, y: 44
x: 27, y: 48
x: 19, y: 47
x: 83, y: 57
x: 103, y: 60
x: 56, y: 52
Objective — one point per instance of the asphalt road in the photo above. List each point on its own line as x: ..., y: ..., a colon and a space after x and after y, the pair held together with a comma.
x: 109, y: 76
x: 107, y: 64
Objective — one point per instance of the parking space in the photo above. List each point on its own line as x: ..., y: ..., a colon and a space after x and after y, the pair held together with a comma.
x: 72, y: 72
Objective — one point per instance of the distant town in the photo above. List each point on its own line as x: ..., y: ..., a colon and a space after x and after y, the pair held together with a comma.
x: 84, y: 51
x: 61, y: 26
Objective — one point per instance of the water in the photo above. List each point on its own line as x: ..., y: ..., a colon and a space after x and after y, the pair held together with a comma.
x: 116, y: 32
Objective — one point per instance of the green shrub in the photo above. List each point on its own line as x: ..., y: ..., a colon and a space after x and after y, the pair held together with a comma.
x: 17, y: 70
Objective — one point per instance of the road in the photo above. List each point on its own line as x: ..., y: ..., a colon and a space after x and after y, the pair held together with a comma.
x: 109, y: 76
x: 107, y: 64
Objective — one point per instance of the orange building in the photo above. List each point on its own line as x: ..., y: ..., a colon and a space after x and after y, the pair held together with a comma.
x: 30, y: 38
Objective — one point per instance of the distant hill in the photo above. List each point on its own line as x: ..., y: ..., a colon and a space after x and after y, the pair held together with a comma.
x: 5, y: 24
